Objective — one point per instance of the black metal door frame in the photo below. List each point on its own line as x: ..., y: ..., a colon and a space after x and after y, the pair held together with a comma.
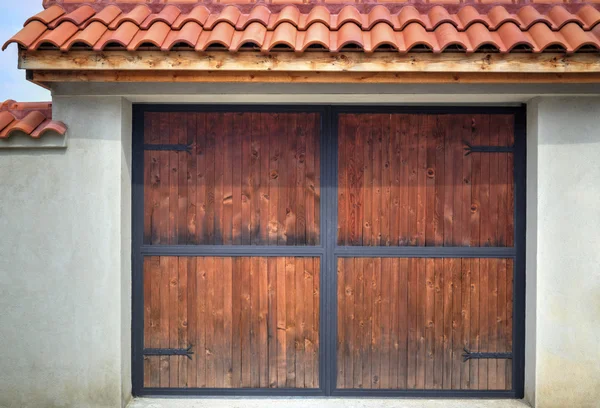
x: 328, y: 251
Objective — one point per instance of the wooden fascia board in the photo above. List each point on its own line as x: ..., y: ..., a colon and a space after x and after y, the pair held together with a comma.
x: 388, y: 62
x: 48, y: 77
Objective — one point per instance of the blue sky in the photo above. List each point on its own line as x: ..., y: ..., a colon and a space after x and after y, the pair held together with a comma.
x: 13, y: 85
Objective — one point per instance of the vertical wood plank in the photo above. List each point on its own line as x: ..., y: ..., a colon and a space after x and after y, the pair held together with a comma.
x: 300, y: 323
x: 165, y: 181
x: 425, y: 127
x: 376, y: 326
x: 376, y: 187
x: 484, y: 271
x: 301, y: 194
x: 236, y: 140
x: 411, y: 365
x: 212, y: 129
x: 237, y: 325
x: 413, y: 164
x: 466, y: 321
x: 429, y: 322
x: 219, y: 178
x: 173, y: 320
x: 367, y: 322
x: 228, y: 333
x: 386, y: 181
x: 274, y: 176
x: 316, y: 142
x: 254, y: 322
x: 366, y: 136
x: 152, y: 303
x: 263, y: 313
x: 312, y: 167
x: 284, y: 186
x: 438, y: 369
x: 440, y: 176
x: 404, y: 128
x: 492, y: 321
x: 219, y: 306
x: 385, y: 349
x: 309, y: 334
x: 246, y: 317
x: 475, y: 337
x: 431, y: 218
x: 419, y: 265
x: 509, y: 319
x: 359, y: 303
x: 449, y: 266
x: 246, y: 178
x: 255, y: 159
x: 501, y: 324
x: 182, y: 319
x: 193, y: 329
x: 281, y: 323
x: 401, y: 266
x: 395, y: 148
x: 202, y: 318
x: 350, y: 321
x: 272, y: 321
x: 291, y: 212
x: 342, y: 321
x: 290, y: 313
x: 316, y: 318
x: 263, y: 190
x: 457, y: 322
x: 227, y: 164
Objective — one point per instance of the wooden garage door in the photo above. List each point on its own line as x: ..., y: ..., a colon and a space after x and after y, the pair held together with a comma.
x: 409, y: 181
x: 328, y: 251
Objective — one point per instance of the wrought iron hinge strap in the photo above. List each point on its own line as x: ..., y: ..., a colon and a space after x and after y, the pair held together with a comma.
x: 169, y: 352
x: 468, y: 355
x: 469, y: 148
x: 169, y: 147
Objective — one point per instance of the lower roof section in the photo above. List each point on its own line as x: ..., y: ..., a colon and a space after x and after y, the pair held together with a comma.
x: 33, y: 119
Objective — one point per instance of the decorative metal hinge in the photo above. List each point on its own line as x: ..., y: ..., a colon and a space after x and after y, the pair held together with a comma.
x: 469, y: 148
x: 169, y: 352
x: 476, y: 355
x: 170, y: 147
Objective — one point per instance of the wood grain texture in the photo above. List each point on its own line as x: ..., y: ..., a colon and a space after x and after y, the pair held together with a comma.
x: 435, y: 195
x: 242, y: 62
x: 403, y: 323
x: 250, y: 179
x: 229, y: 310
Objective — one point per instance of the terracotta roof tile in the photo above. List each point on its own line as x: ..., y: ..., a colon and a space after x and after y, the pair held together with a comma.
x: 33, y: 119
x: 434, y: 24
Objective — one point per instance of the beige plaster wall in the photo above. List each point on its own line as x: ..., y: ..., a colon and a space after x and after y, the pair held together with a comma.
x: 563, y: 268
x: 64, y: 241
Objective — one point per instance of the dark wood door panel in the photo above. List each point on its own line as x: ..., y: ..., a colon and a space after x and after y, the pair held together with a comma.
x: 404, y: 323
x: 246, y: 179
x: 404, y: 179
x: 252, y: 322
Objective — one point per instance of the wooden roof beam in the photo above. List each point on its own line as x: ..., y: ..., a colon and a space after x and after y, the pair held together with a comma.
x: 356, y: 62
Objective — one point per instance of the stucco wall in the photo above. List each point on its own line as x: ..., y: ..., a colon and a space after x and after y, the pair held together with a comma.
x: 65, y: 257
x: 64, y: 232
x: 564, y: 253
